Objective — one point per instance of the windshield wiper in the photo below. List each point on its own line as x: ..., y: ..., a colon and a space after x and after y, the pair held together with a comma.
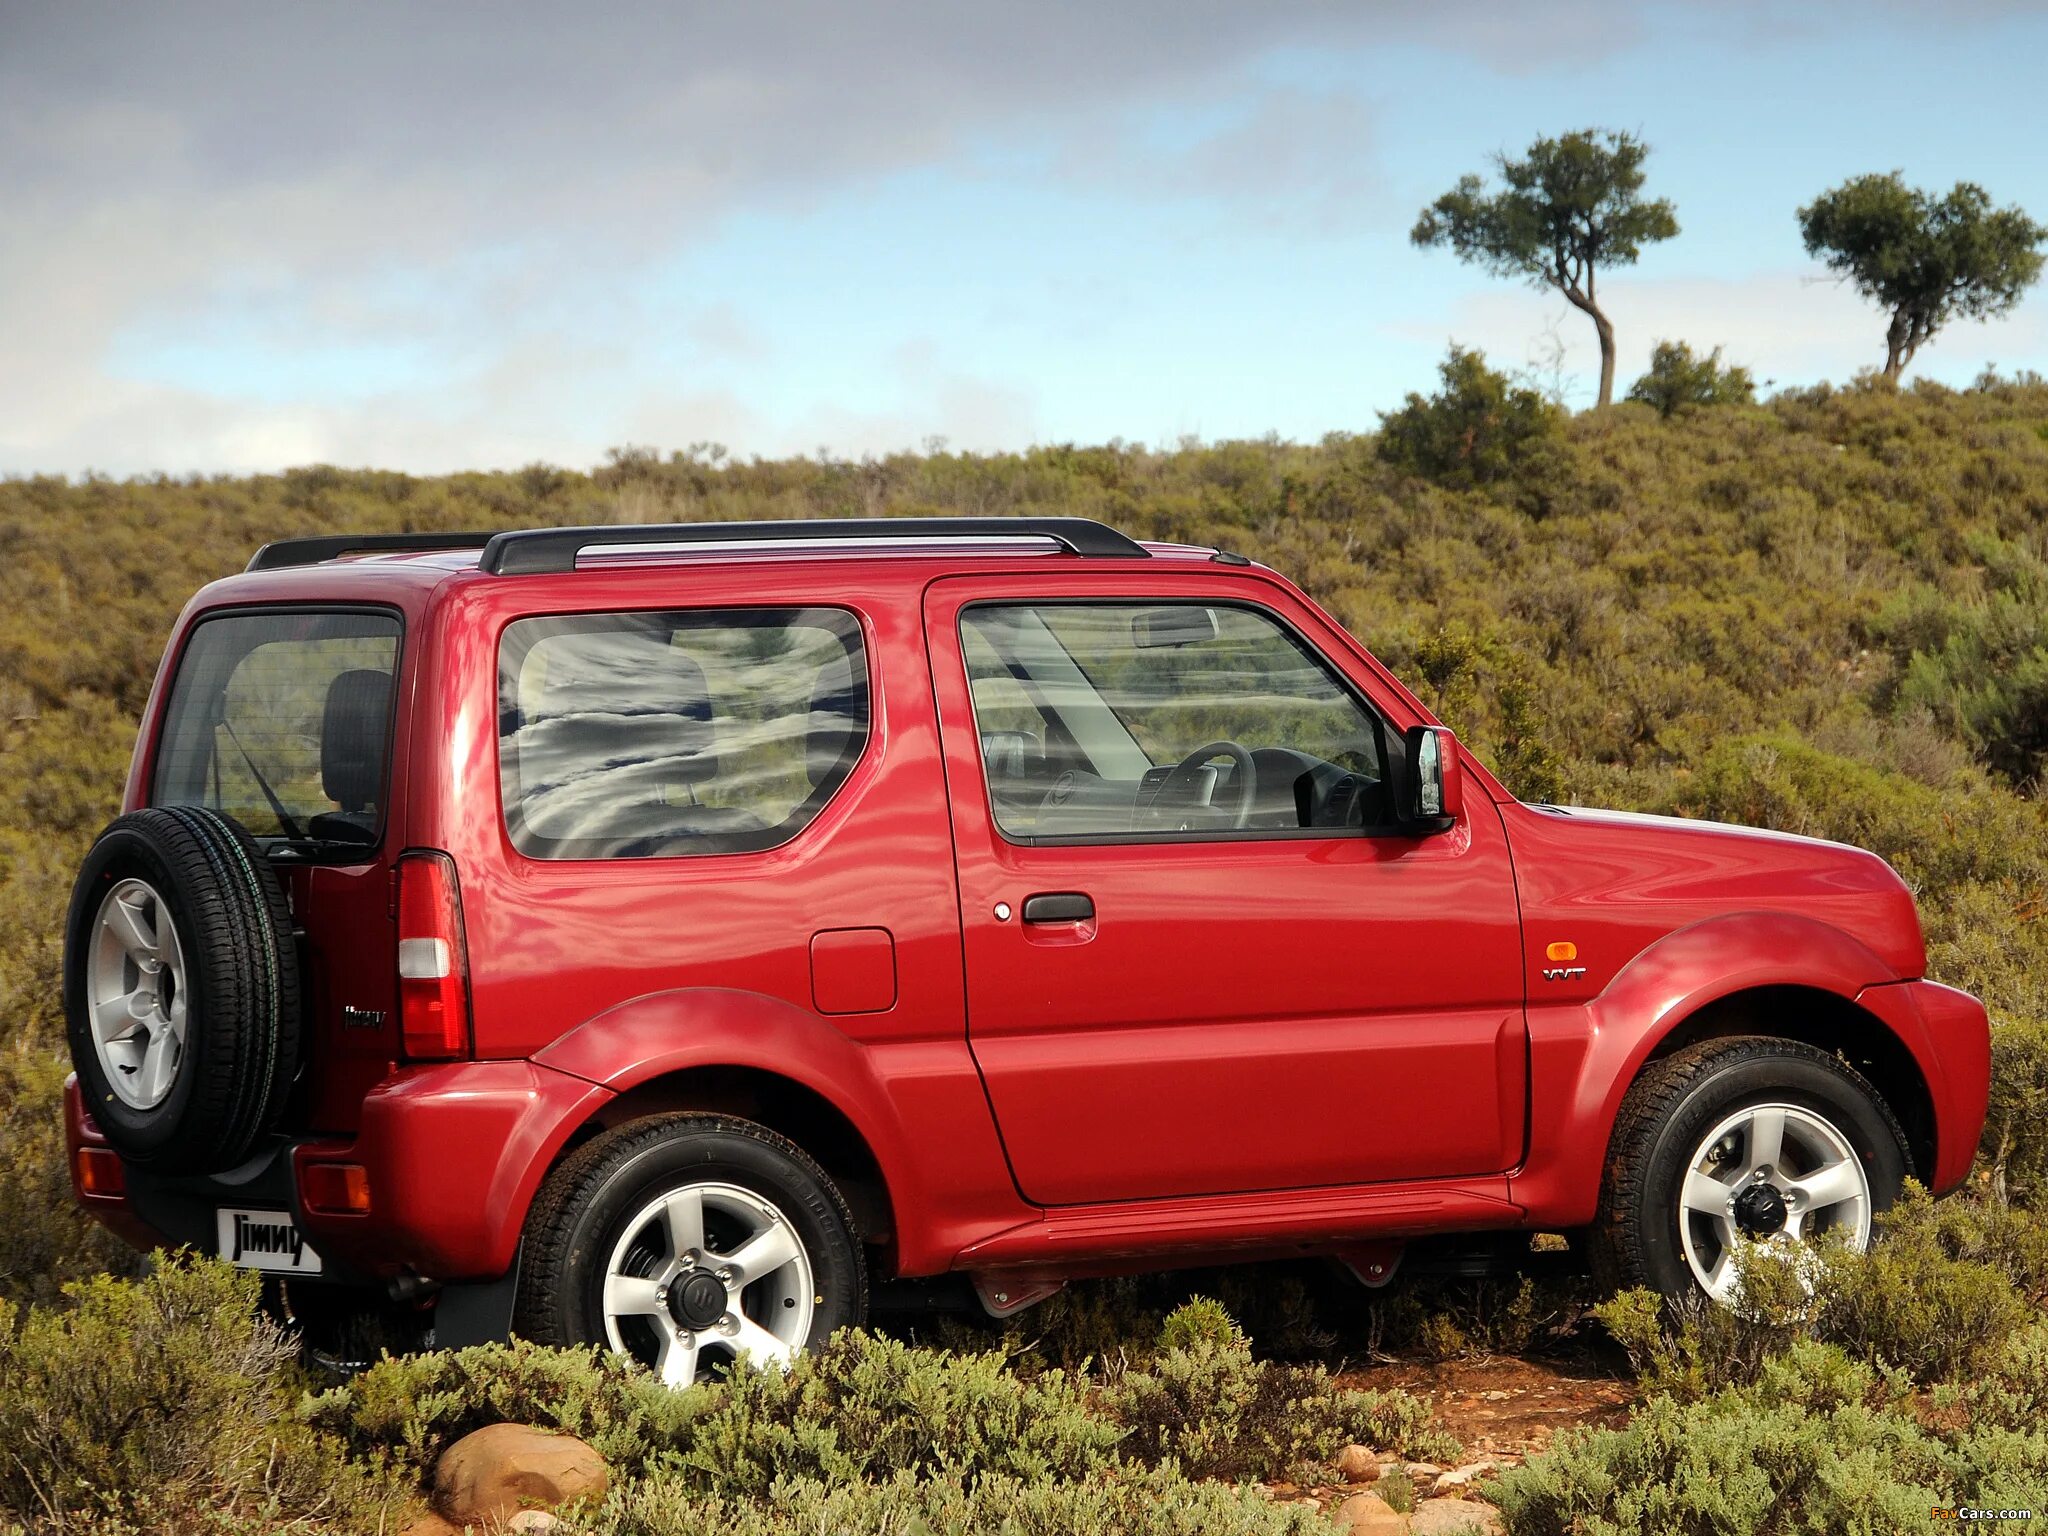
x: 284, y: 817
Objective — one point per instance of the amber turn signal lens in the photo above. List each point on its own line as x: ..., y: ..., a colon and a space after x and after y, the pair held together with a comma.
x: 336, y: 1189
x: 99, y: 1172
x: 1563, y: 949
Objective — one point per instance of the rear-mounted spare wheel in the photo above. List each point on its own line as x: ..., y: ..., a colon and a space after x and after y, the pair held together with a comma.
x: 181, y: 988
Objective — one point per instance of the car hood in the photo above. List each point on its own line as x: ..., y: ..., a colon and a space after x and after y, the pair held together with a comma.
x: 1643, y: 876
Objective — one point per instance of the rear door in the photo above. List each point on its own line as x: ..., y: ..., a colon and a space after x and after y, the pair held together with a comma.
x: 1197, y: 959
x: 285, y: 718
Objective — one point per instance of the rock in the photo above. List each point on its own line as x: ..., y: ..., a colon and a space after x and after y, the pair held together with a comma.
x: 532, y: 1522
x: 1367, y: 1514
x: 493, y: 1474
x: 1455, y: 1517
x: 1358, y: 1464
x: 1453, y: 1484
x: 1423, y: 1472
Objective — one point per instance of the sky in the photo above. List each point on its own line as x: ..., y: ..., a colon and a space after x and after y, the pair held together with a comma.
x: 435, y: 236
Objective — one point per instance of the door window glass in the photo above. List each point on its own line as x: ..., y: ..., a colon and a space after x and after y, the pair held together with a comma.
x: 636, y: 735
x: 1164, y: 719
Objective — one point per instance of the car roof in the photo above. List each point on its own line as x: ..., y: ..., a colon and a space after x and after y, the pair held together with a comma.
x: 565, y: 551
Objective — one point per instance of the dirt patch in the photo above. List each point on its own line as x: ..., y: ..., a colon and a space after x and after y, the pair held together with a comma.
x: 1503, y: 1406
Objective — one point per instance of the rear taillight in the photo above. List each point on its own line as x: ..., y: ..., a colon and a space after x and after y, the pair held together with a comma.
x: 97, y: 1171
x: 433, y: 959
x: 335, y: 1189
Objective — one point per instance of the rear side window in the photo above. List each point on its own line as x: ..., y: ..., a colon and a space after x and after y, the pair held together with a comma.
x: 282, y: 720
x: 646, y: 735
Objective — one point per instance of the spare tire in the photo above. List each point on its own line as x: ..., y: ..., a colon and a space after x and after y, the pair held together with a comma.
x: 181, y: 988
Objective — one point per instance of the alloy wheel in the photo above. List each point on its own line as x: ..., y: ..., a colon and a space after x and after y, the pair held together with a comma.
x: 703, y: 1276
x: 1773, y: 1173
x: 136, y: 994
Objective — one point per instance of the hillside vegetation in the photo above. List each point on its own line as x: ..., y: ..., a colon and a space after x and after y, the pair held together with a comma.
x: 1826, y: 613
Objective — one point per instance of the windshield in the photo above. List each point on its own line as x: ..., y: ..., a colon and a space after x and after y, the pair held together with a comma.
x: 282, y: 720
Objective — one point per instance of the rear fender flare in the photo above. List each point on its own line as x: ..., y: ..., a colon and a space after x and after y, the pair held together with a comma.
x: 664, y: 1033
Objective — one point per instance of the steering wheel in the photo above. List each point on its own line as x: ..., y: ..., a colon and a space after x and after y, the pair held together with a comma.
x: 1243, y: 781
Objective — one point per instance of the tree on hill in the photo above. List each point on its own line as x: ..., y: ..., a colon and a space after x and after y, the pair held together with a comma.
x: 1680, y: 378
x: 1925, y: 260
x: 1569, y: 207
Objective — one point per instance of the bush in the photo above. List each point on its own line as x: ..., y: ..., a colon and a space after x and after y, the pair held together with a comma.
x: 45, y: 1240
x: 164, y: 1402
x: 1155, y: 1502
x: 1820, y: 1444
x: 409, y: 1408
x: 1679, y: 380
x: 1476, y: 430
x: 1201, y: 1321
x: 1214, y: 1411
x: 2015, y: 1145
x: 1935, y: 1300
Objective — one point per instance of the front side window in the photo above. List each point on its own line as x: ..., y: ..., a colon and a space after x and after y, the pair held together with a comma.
x: 639, y: 735
x: 1102, y: 720
x: 282, y: 720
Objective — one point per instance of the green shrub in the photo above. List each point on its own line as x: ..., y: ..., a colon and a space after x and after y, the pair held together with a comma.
x: 1680, y: 379
x: 2015, y: 1144
x: 164, y: 1402
x: 1820, y: 1444
x: 1155, y: 1502
x: 1936, y: 1299
x: 1199, y: 1321
x: 409, y: 1408
x: 1216, y: 1412
x: 45, y: 1240
x: 862, y: 1406
x: 1477, y: 429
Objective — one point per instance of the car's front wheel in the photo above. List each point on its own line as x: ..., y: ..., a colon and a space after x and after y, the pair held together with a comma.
x: 690, y: 1242
x: 1749, y: 1139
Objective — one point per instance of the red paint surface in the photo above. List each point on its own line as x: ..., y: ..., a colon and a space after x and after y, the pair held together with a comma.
x: 1253, y: 1047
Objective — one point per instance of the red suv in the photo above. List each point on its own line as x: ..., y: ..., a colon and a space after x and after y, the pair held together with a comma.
x: 653, y: 935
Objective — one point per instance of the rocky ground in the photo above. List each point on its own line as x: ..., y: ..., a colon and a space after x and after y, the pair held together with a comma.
x: 1501, y: 1407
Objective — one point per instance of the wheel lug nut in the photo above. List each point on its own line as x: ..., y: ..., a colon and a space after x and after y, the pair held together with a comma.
x: 725, y: 1277
x: 689, y: 1261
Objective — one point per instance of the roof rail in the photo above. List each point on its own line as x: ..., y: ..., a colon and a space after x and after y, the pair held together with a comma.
x: 537, y: 551
x: 282, y: 553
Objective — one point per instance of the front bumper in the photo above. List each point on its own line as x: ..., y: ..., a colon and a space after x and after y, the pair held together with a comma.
x: 453, y: 1155
x: 1949, y: 1034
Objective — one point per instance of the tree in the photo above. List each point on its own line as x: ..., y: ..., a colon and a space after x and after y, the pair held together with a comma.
x: 1680, y: 378
x: 1479, y: 428
x: 1571, y: 206
x: 1925, y: 261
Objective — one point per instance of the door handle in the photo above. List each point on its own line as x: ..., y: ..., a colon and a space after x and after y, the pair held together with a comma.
x: 1059, y: 907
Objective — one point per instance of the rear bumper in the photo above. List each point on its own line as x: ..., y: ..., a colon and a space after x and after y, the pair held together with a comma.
x: 1949, y: 1034
x: 453, y: 1156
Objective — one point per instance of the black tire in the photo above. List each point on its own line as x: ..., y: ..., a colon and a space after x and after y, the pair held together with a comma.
x: 1676, y: 1102
x: 242, y: 1024
x: 585, y: 1204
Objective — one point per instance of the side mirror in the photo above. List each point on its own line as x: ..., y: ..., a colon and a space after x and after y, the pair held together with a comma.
x: 1432, y: 789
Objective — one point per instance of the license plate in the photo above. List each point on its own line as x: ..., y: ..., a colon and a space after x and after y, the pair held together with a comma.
x: 265, y: 1240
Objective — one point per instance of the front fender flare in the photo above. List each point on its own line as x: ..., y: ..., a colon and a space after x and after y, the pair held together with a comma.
x: 1584, y: 1057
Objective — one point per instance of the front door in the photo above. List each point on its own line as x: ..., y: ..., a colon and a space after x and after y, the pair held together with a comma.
x: 1199, y: 959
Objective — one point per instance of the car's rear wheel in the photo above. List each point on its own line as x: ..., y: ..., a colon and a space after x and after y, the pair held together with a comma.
x: 690, y: 1243
x: 1741, y: 1140
x: 181, y: 988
